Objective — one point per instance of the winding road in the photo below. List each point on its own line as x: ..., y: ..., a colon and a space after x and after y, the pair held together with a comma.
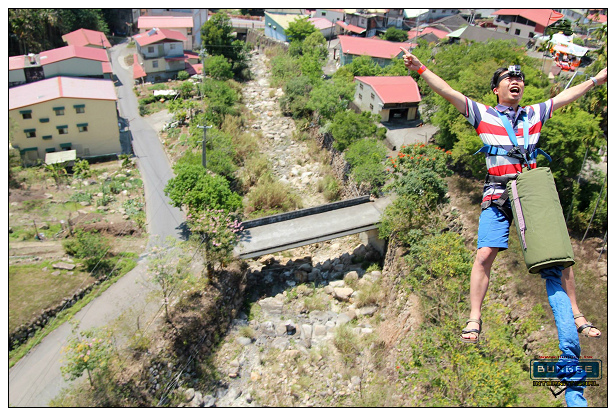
x: 36, y: 378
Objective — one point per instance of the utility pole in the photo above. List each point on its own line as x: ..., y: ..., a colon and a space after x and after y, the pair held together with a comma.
x: 203, y: 153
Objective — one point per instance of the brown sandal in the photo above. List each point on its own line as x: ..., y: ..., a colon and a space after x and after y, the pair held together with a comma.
x: 471, y: 331
x: 584, y: 329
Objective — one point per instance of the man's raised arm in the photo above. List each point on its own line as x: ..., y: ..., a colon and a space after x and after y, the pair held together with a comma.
x: 436, y: 83
x: 571, y: 94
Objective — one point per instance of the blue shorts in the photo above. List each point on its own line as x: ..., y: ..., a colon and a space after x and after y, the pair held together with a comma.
x: 493, y: 229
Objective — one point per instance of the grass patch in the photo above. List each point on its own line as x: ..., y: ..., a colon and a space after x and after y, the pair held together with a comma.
x: 33, y: 287
x: 125, y: 264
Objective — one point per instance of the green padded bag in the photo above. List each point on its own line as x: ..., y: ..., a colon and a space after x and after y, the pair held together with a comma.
x: 539, y: 220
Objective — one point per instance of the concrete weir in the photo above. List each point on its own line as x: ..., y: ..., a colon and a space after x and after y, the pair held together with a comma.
x: 312, y: 225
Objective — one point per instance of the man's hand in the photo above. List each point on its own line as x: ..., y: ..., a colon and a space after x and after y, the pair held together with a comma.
x: 601, y: 77
x: 410, y: 60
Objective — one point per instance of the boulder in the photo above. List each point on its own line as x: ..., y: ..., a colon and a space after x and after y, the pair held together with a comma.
x: 343, y: 293
x: 271, y: 306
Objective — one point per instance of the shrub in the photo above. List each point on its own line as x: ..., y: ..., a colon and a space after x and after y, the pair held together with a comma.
x: 91, y: 247
x: 194, y: 188
x: 183, y: 75
x: 254, y: 168
x: 81, y: 169
x: 270, y: 197
x: 329, y: 186
x: 348, y: 127
x: 366, y: 157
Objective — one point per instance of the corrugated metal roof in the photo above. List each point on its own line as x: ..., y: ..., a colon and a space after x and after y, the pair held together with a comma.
x: 72, y: 51
x: 544, y: 17
x: 283, y: 20
x: 61, y: 87
x: 376, y: 48
x: 320, y: 23
x: 138, y: 70
x: 85, y: 37
x: 394, y: 89
x: 157, y: 35
x: 168, y: 22
x: 59, y: 54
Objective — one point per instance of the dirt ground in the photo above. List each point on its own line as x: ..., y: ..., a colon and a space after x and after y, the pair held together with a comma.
x: 40, y: 206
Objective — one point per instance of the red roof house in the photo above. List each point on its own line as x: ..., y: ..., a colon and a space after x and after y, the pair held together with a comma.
x: 74, y: 61
x: 183, y: 24
x: 87, y: 37
x: 390, y: 96
x: 160, y: 55
x: 525, y: 23
x: 381, y: 51
x: 158, y: 35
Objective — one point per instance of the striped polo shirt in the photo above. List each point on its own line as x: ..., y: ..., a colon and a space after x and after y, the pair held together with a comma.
x: 491, y: 130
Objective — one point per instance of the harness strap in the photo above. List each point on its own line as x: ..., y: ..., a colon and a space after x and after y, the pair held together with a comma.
x: 518, y: 212
x: 499, y: 151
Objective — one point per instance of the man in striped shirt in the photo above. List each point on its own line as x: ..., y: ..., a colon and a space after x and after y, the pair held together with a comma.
x: 493, y: 223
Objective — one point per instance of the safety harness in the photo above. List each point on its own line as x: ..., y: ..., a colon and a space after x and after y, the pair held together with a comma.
x: 517, y: 153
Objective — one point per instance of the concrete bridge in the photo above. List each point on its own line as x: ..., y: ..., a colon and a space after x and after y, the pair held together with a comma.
x: 312, y: 225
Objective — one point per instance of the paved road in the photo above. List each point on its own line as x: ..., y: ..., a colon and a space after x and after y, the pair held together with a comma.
x: 37, y: 378
x: 163, y: 219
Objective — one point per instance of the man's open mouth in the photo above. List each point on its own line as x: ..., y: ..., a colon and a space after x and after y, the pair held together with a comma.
x: 514, y: 90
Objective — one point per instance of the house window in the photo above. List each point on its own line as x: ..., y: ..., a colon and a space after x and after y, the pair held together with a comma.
x: 26, y: 114
x: 30, y: 133
x: 372, y: 95
x: 517, y: 32
x: 172, y: 46
x: 47, y: 137
x: 62, y: 129
x: 531, y: 35
x: 59, y: 111
x: 189, y: 31
x: 80, y: 108
x: 371, y: 107
x: 50, y: 150
x: 323, y: 13
x: 66, y: 146
x: 360, y: 97
x: 154, y: 64
x: 82, y: 127
x: 150, y: 49
x: 43, y: 120
x: 361, y: 86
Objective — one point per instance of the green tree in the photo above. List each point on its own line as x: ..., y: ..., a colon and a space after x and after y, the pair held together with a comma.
x: 194, y: 188
x: 330, y: 97
x: 168, y: 265
x: 90, y: 351
x: 299, y: 29
x: 363, y: 66
x: 221, y: 100
x: 348, y: 127
x: 218, y: 67
x: 366, y: 159
x: 315, y: 45
x: 394, y: 34
x: 296, y: 95
x: 219, y: 233
x: 217, y: 36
